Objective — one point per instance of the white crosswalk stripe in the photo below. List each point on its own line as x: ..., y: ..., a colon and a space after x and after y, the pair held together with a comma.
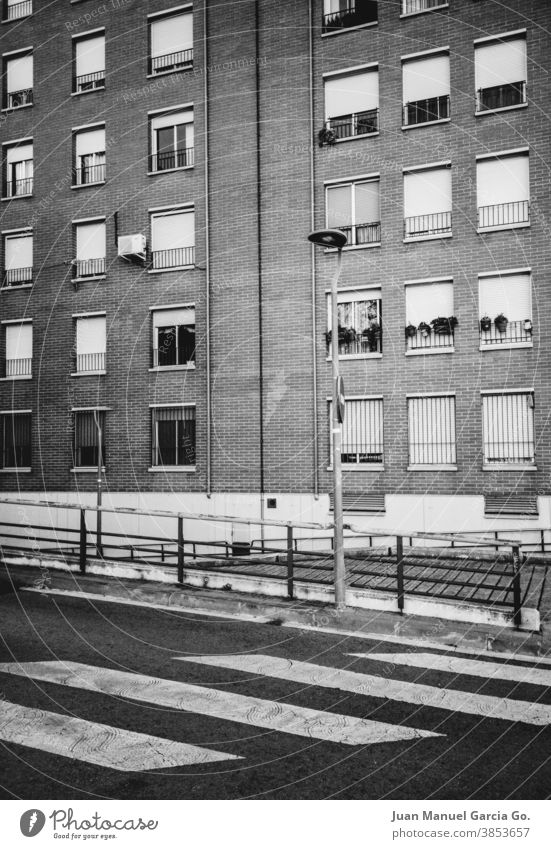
x: 311, y: 674
x: 95, y: 743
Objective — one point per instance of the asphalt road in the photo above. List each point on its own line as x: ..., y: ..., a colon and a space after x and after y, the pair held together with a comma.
x: 111, y: 701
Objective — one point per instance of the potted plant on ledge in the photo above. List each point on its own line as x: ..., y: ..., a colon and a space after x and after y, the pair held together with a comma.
x: 411, y: 330
x: 424, y: 329
x: 444, y: 326
x: 501, y: 321
x: 485, y: 323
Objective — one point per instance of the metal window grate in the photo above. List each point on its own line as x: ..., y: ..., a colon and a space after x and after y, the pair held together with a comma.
x: 427, y: 225
x: 425, y: 111
x: 173, y: 258
x: 18, y: 10
x: 362, y: 432
x: 171, y: 62
x: 501, y: 96
x: 88, y: 82
x: 353, y: 15
x: 510, y: 505
x: 17, y: 276
x: 501, y: 214
x: 411, y: 6
x: 16, y: 440
x: 171, y: 159
x: 364, y: 502
x: 431, y: 425
x: 508, y: 428
x: 354, y: 124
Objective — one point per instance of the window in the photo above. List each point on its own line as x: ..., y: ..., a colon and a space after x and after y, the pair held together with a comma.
x: 16, y: 440
x: 18, y: 81
x: 14, y: 9
x: 362, y: 432
x: 89, y: 63
x: 343, y: 14
x: 90, y: 249
x: 360, y: 322
x: 426, y: 89
x: 411, y: 7
x: 503, y: 191
x: 427, y: 202
x: 173, y: 239
x: 18, y: 259
x: 18, y: 337
x: 431, y: 428
x: 352, y: 103
x: 18, y: 173
x: 430, y: 321
x: 88, y: 423
x: 174, y: 337
x: 354, y: 208
x: 89, y: 157
x: 90, y: 344
x: 171, y: 141
x: 500, y: 73
x: 173, y: 432
x: 171, y: 39
x: 508, y: 428
x: 505, y: 309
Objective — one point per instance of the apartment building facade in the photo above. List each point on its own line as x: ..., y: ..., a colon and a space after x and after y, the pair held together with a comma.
x: 162, y: 167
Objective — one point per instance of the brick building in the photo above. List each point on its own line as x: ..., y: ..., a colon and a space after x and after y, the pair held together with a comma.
x: 162, y: 167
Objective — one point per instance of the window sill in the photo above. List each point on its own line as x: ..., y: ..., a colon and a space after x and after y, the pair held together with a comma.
x: 174, y: 268
x: 166, y: 73
x: 501, y: 109
x: 15, y: 470
x: 426, y: 124
x: 523, y: 226
x: 88, y: 91
x: 424, y: 11
x: 354, y: 247
x: 88, y: 373
x: 88, y: 185
x: 17, y: 108
x: 170, y: 170
x: 171, y: 469
x: 187, y: 367
x: 432, y: 467
x: 14, y: 20
x: 410, y: 239
x: 349, y: 29
x: 443, y: 350
x: 357, y: 137
x: 347, y: 357
x: 16, y: 197
x: 509, y: 467
x: 20, y: 286
x: 17, y: 377
x: 507, y: 346
x: 89, y: 470
x: 360, y: 467
x: 85, y: 279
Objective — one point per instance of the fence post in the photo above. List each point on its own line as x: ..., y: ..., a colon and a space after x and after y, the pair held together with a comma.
x: 400, y: 572
x: 517, y: 611
x: 180, y: 549
x: 290, y: 573
x: 82, y: 545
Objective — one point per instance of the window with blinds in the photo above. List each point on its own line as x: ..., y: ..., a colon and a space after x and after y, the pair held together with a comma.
x: 90, y: 344
x: 171, y: 43
x: 18, y: 76
x: 503, y: 191
x: 171, y: 140
x: 362, y: 432
x: 174, y: 337
x: 18, y: 349
x: 508, y: 428
x: 16, y: 440
x: 89, y: 156
x: 352, y: 103
x: 19, y: 169
x: 500, y: 73
x: 355, y: 209
x: 14, y: 9
x: 425, y: 304
x: 18, y: 259
x: 431, y: 430
x: 89, y: 424
x: 173, y: 239
x: 360, y: 322
x: 505, y: 309
x: 427, y: 202
x: 426, y: 89
x: 173, y: 436
x: 89, y: 63
x: 90, y: 249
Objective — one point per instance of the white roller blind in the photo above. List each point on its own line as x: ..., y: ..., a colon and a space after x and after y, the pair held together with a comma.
x: 90, y: 55
x: 20, y: 73
x: 362, y: 430
x: 171, y: 35
x: 91, y: 335
x: 172, y: 119
x: 424, y: 78
x: 427, y: 192
x: 431, y: 426
x: 502, y: 180
x: 339, y: 206
x: 19, y: 341
x: 425, y: 301
x: 169, y: 318
x: 173, y: 231
x: 508, y: 425
x: 502, y: 62
x: 510, y: 295
x: 352, y: 93
x: 20, y: 153
x: 91, y: 141
x: 91, y: 240
x: 366, y: 203
x: 18, y: 252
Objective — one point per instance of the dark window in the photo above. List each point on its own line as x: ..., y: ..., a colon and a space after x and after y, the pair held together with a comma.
x: 87, y: 424
x: 176, y: 345
x: 16, y: 440
x: 173, y: 436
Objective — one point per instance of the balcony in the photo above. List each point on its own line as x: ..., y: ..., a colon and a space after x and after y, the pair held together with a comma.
x: 511, y: 333
x: 16, y: 99
x: 89, y: 267
x: 17, y: 276
x: 436, y: 224
x: 426, y: 339
x: 355, y: 124
x: 500, y: 96
x: 88, y: 82
x: 171, y: 62
x: 90, y: 363
x: 362, y: 234
x: 425, y: 111
x: 19, y: 367
x: 410, y: 7
x: 170, y: 160
x: 18, y: 188
x: 88, y: 174
x: 352, y: 16
x: 173, y: 258
x: 504, y: 214
x: 18, y: 10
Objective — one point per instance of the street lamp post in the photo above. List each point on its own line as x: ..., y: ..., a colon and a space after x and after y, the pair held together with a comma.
x: 99, y: 437
x: 335, y: 239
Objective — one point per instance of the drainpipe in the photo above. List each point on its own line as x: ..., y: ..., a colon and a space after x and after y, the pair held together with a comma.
x: 312, y: 256
x: 207, y: 251
x: 259, y: 269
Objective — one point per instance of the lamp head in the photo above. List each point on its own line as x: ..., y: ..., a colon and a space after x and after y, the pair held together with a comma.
x: 328, y: 238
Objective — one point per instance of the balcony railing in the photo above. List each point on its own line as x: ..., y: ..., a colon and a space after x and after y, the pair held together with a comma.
x: 17, y: 276
x: 15, y: 99
x: 87, y: 174
x: 171, y: 159
x: 15, y: 188
x: 371, y: 343
x: 18, y: 10
x: 91, y: 362
x: 352, y: 16
x: 411, y: 6
x: 19, y: 367
x: 88, y: 82
x: 171, y: 61
x: 515, y: 331
x: 425, y: 111
x: 429, y: 341
x: 502, y: 214
x: 500, y: 96
x: 173, y: 258
x: 355, y: 124
x: 89, y: 267
x: 428, y: 225
x: 363, y: 234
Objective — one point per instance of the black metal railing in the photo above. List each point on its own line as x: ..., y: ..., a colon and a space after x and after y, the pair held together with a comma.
x: 363, y: 234
x: 91, y: 362
x: 88, y: 82
x: 367, y: 342
x: 423, y: 340
x: 409, y: 7
x: 355, y: 124
x: 502, y: 214
x: 171, y: 159
x: 428, y: 225
x: 89, y: 267
x: 21, y: 367
x: 86, y: 174
x: 16, y: 188
x: 15, y: 99
x: 352, y: 16
x: 173, y: 258
x: 18, y: 10
x: 17, y: 276
x: 171, y: 61
x: 511, y: 332
x: 425, y: 111
x: 500, y: 96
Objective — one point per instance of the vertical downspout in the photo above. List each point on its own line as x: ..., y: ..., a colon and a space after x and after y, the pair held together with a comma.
x: 313, y: 252
x: 259, y: 269
x: 207, y: 249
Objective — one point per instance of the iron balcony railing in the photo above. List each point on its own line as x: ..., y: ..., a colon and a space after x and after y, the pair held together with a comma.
x: 15, y: 99
x: 371, y: 343
x: 171, y: 159
x: 502, y: 214
x: 425, y: 111
x: 515, y: 331
x: 429, y: 341
x: 354, y: 15
x: 411, y: 6
x: 19, y: 367
x: 24, y: 186
x: 88, y: 82
x: 17, y: 276
x: 363, y: 234
x: 87, y: 174
x: 173, y: 258
x: 18, y: 10
x: 428, y: 225
x: 89, y: 267
x: 355, y: 124
x: 500, y: 96
x: 171, y: 61
x: 91, y: 362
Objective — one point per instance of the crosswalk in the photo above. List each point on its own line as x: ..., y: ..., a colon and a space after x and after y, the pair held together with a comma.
x: 127, y: 750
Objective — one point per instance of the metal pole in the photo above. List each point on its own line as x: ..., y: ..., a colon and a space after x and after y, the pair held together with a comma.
x: 517, y: 608
x: 180, y: 549
x: 336, y: 430
x: 400, y: 572
x: 82, y: 546
x: 290, y: 575
x: 98, y: 484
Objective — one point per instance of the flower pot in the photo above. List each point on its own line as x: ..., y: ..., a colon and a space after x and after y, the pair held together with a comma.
x: 485, y: 323
x: 501, y: 324
x: 411, y: 330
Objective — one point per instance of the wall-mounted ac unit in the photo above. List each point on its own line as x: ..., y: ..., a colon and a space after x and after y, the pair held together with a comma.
x: 132, y: 247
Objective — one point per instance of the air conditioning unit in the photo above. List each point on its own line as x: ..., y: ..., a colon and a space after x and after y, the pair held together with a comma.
x: 132, y: 247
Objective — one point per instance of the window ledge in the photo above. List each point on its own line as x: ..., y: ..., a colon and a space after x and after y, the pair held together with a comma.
x: 16, y: 197
x: 347, y: 357
x: 187, y: 367
x: 507, y: 346
x: 501, y: 109
x: 88, y: 373
x: 354, y: 247
x: 20, y: 286
x: 171, y: 469
x: 88, y: 91
x: 523, y: 226
x: 432, y: 467
x: 17, y: 377
x: 17, y: 108
x: 359, y: 467
x: 175, y: 268
x: 89, y: 470
x: 166, y: 73
x: 170, y: 170
x: 358, y: 137
x: 92, y: 277
x: 424, y: 11
x: 88, y: 185
x: 443, y: 350
x: 410, y: 239
x: 16, y: 20
x: 349, y: 29
x: 509, y: 467
x: 426, y: 124
x: 16, y: 470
